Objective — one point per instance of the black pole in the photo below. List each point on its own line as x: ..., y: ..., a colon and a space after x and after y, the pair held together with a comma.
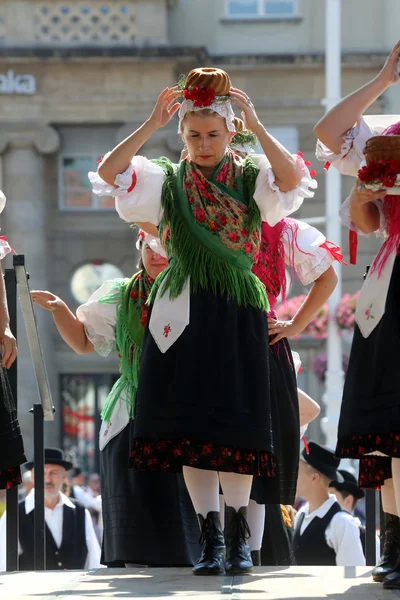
x: 39, y: 562
x: 12, y: 493
x: 370, y: 527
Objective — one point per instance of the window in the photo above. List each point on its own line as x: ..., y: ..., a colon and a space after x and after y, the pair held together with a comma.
x: 75, y: 190
x: 288, y: 136
x: 256, y: 9
x: 89, y: 277
x: 83, y: 397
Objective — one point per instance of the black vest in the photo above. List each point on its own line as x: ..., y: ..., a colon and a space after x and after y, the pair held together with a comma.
x: 311, y: 547
x: 73, y: 550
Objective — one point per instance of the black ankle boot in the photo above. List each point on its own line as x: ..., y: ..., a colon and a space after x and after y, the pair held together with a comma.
x: 256, y: 558
x: 237, y: 532
x: 391, y: 548
x: 212, y: 559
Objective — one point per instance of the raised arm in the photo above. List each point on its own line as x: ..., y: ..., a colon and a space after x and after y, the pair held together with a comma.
x: 69, y: 327
x: 363, y: 212
x: 318, y: 295
x: 333, y: 126
x: 119, y: 159
x: 285, y: 166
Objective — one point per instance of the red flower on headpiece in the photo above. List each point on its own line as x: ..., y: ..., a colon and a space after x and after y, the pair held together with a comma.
x: 383, y: 171
x: 141, y: 235
x: 201, y: 96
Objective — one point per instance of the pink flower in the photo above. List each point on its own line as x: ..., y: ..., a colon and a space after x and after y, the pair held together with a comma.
x: 200, y: 215
x: 233, y: 236
x: 248, y: 247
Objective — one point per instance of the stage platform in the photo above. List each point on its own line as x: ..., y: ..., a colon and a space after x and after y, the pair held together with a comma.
x: 294, y: 583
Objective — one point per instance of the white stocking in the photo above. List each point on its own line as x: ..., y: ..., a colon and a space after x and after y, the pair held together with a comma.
x: 389, y: 504
x: 236, y: 489
x: 203, y: 488
x: 256, y: 521
x: 396, y: 483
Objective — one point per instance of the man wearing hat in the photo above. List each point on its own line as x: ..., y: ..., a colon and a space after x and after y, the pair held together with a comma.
x: 324, y: 533
x: 71, y: 542
x: 348, y: 494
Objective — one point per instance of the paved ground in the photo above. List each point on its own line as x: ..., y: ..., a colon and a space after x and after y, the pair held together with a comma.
x: 318, y: 583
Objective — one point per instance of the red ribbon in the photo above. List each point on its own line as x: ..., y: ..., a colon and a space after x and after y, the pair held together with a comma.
x: 327, y: 165
x: 334, y: 251
x: 353, y: 243
x: 306, y: 445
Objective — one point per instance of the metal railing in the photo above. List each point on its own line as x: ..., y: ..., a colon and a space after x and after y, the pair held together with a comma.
x: 16, y: 280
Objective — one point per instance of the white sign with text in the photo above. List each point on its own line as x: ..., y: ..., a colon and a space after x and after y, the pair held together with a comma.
x: 11, y: 83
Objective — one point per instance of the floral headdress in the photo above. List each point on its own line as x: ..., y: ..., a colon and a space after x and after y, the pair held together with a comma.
x: 199, y: 98
x: 244, y: 141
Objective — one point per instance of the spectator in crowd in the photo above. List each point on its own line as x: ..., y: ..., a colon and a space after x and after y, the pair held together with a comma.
x: 324, y: 533
x: 70, y: 538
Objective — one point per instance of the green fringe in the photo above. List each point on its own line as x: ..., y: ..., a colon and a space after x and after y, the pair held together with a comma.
x: 129, y: 349
x: 250, y: 173
x: 206, y: 267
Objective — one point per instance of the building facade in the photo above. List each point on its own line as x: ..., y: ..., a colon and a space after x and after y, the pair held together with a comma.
x: 78, y: 76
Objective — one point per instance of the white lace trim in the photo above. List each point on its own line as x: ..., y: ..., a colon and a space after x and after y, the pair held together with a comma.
x: 154, y: 243
x: 314, y: 266
x: 344, y: 214
x: 2, y: 201
x: 122, y: 183
x: 5, y: 249
x: 323, y: 153
x: 245, y: 148
x: 100, y: 343
x: 290, y: 200
x: 222, y: 108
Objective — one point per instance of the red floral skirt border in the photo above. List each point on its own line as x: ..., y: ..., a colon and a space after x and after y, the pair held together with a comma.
x: 373, y: 469
x: 356, y: 446
x: 172, y: 455
x: 10, y: 477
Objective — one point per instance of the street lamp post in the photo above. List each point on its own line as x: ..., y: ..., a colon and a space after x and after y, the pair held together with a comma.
x: 334, y: 374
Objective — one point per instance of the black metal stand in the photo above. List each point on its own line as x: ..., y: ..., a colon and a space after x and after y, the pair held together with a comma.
x: 12, y: 493
x: 370, y: 528
x: 38, y: 458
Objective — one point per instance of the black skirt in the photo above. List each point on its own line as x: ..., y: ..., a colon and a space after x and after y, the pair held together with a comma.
x: 276, y: 549
x: 148, y: 517
x: 210, y: 388
x: 370, y: 412
x: 285, y: 417
x: 11, y: 445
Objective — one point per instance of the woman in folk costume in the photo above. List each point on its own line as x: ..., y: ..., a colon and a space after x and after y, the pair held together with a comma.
x: 11, y: 444
x: 148, y: 519
x: 203, y: 403
x: 369, y: 426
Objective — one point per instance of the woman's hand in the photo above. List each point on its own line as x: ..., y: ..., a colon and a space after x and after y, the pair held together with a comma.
x: 282, y: 329
x: 47, y: 300
x: 389, y: 75
x: 360, y: 195
x: 250, y: 118
x: 165, y: 107
x: 9, y: 344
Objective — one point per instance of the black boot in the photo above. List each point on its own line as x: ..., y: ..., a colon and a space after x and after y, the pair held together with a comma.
x: 237, y: 532
x: 212, y: 559
x: 256, y: 558
x: 391, y: 548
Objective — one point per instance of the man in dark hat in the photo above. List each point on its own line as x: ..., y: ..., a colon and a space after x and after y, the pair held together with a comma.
x: 347, y: 491
x: 348, y: 494
x: 71, y: 542
x: 324, y: 533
